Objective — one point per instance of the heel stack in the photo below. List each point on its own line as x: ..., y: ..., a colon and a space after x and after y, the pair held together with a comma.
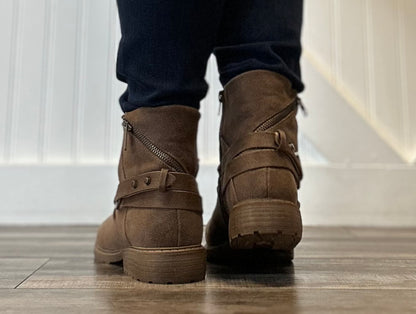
x: 165, y: 266
x: 266, y: 224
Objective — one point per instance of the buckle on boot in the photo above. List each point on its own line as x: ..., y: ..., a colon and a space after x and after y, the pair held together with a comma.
x: 281, y: 142
x: 280, y: 138
x: 292, y: 146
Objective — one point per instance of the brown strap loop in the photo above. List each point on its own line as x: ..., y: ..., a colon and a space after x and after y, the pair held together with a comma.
x: 259, y: 140
x: 163, y: 180
x: 260, y: 159
x: 253, y: 140
x: 171, y: 199
x: 284, y: 155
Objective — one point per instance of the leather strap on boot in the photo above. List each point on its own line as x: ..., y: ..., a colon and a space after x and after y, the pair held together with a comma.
x: 176, y: 190
x: 261, y: 149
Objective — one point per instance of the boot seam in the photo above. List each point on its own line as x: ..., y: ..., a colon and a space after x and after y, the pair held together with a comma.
x: 267, y: 181
x: 122, y: 165
x: 125, y: 228
x: 178, y: 228
x: 234, y: 191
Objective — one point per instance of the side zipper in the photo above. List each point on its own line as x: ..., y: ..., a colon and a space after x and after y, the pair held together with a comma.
x: 281, y: 115
x: 127, y: 128
x: 162, y: 155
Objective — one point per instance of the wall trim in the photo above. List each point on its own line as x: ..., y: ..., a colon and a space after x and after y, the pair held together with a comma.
x: 353, y: 195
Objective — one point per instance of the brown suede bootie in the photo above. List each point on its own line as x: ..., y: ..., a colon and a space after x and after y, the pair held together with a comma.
x: 257, y: 209
x: 156, y: 228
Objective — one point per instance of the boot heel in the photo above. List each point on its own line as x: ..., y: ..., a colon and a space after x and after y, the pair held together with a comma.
x: 266, y: 224
x: 165, y: 266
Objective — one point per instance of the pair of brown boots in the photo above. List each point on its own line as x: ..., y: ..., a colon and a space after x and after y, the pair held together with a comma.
x: 156, y: 228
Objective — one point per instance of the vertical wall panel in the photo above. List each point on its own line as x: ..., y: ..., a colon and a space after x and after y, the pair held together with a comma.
x: 408, y: 14
x: 61, y: 84
x: 80, y: 81
x: 366, y: 49
x: 29, y: 73
x: 116, y: 130
x: 318, y: 34
x: 9, y: 23
x: 117, y: 89
x: 352, y: 48
x: 47, y: 78
x: 59, y: 94
x: 94, y: 103
x: 387, y: 93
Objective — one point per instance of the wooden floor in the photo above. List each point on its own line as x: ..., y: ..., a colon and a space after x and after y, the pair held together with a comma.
x: 336, y: 270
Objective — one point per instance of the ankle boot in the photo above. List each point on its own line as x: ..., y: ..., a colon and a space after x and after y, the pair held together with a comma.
x: 156, y: 227
x: 257, y: 209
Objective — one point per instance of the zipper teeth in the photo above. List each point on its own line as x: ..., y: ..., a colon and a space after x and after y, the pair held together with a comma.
x: 165, y: 157
x: 277, y: 117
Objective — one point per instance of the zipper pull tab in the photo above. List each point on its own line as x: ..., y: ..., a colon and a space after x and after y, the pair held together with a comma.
x: 221, y: 101
x: 127, y: 128
x: 301, y: 105
x: 127, y: 125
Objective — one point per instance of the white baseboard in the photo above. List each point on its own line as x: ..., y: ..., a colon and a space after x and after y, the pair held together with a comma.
x: 330, y: 195
x: 359, y: 195
x: 70, y: 194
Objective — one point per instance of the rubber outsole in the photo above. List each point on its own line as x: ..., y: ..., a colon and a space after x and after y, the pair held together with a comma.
x: 160, y: 266
x: 265, y: 224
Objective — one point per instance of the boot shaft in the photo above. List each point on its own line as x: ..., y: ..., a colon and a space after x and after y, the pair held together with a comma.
x: 157, y: 203
x: 161, y: 137
x: 257, y: 101
x: 257, y: 106
x: 260, y: 170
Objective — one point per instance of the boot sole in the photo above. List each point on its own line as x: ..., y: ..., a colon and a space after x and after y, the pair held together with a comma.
x: 162, y: 266
x: 265, y: 224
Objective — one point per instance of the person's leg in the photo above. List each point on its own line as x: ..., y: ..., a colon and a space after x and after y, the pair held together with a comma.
x: 258, y: 34
x: 258, y: 52
x: 164, y: 50
x: 156, y: 227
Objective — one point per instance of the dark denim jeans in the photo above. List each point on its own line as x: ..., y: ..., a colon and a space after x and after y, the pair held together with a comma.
x: 166, y: 44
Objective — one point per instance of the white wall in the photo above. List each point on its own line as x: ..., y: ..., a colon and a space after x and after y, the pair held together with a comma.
x: 366, y: 50
x: 60, y: 121
x: 59, y: 94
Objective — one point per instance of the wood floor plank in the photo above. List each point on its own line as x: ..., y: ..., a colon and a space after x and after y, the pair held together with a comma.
x: 174, y: 299
x: 14, y: 270
x: 314, y: 273
x: 336, y: 269
x: 38, y: 248
x: 308, y: 248
x: 327, y: 232
x: 59, y: 241
x: 48, y: 229
x: 335, y: 232
x: 382, y: 233
x: 357, y: 248
x: 332, y: 242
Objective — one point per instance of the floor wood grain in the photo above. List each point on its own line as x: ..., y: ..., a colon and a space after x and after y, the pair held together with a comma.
x: 14, y: 271
x: 336, y: 270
